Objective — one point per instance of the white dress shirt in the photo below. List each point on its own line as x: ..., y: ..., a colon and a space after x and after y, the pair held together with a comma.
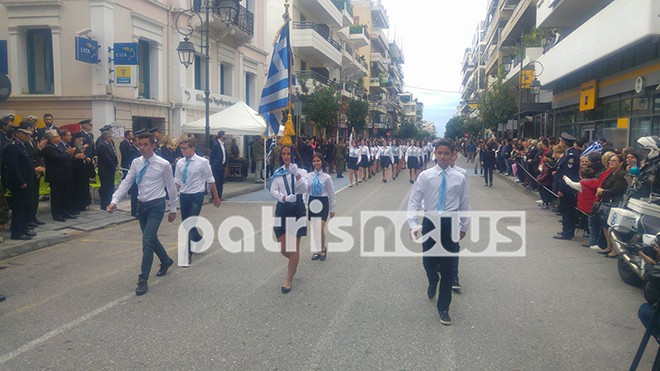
x: 224, y: 153
x: 198, y: 175
x: 278, y: 189
x: 426, y: 192
x: 156, y: 178
x: 386, y: 151
x: 328, y: 188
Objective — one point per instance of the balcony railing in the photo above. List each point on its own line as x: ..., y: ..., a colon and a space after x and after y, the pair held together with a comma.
x: 311, y: 75
x: 359, y: 30
x: 244, y: 22
x: 341, y: 4
x: 319, y: 30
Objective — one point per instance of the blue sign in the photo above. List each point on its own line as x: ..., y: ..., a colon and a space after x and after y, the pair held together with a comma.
x: 87, y: 50
x: 4, y: 59
x: 126, y: 54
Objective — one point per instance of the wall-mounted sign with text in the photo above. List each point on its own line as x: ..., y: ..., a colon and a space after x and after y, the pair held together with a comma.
x: 126, y: 54
x: 87, y: 50
x: 126, y: 75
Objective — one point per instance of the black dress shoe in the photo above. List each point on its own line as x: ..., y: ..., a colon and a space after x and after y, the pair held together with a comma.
x: 561, y: 237
x: 431, y: 290
x: 164, y: 267
x: 31, y: 233
x: 21, y: 237
x: 30, y: 226
x: 456, y: 286
x: 69, y: 216
x: 444, y: 317
x: 74, y: 212
x: 285, y: 290
x: 59, y: 219
x: 2, y: 298
x: 142, y: 287
x: 38, y: 222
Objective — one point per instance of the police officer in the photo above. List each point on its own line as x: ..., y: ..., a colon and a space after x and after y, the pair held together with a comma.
x: 569, y: 165
x: 88, y: 137
x: 107, y: 165
x: 20, y: 179
x: 156, y: 133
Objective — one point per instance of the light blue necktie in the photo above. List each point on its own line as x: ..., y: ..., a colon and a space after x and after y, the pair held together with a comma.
x: 443, y: 192
x: 317, y: 188
x: 140, y: 175
x: 184, y: 175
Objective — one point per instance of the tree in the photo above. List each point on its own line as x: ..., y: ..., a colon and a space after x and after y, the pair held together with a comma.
x: 408, y: 130
x: 454, y: 128
x: 358, y: 111
x: 497, y: 104
x: 322, y: 106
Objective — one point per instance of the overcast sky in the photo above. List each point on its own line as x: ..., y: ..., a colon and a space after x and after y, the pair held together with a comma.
x: 433, y: 35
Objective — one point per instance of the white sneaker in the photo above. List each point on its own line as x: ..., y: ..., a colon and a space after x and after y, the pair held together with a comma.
x: 595, y: 247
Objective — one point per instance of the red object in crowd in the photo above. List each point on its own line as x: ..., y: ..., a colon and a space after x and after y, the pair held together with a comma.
x: 73, y: 127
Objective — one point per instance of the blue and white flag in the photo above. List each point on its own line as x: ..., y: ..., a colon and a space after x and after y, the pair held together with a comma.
x: 275, y: 95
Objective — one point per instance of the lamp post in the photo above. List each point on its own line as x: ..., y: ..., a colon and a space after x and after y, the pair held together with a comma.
x: 228, y: 11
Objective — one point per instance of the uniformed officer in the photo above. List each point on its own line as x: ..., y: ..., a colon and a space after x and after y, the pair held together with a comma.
x: 88, y: 137
x: 156, y: 133
x: 20, y: 180
x: 107, y: 165
x: 569, y: 165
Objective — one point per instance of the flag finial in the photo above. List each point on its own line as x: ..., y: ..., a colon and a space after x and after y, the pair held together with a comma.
x: 285, y: 16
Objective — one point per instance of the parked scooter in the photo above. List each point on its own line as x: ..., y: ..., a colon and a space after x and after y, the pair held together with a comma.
x: 634, y: 226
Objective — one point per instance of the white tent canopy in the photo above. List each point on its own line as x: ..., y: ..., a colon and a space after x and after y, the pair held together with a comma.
x: 238, y: 119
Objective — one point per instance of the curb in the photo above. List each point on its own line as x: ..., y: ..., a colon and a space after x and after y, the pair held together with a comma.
x: 33, y: 245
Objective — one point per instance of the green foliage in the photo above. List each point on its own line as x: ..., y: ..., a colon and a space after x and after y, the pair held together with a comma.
x: 408, y: 130
x: 322, y: 106
x: 454, y: 128
x: 357, y: 114
x: 497, y: 104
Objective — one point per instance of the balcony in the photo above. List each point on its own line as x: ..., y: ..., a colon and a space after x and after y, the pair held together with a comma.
x: 375, y: 86
x: 315, y: 41
x: 324, y: 11
x: 352, y: 63
x: 311, y: 78
x: 358, y: 36
x: 346, y: 9
x: 379, y: 15
x: 396, y: 53
x: 565, y: 14
x: 619, y: 25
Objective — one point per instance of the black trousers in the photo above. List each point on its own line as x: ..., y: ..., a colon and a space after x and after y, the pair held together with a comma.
x: 21, y: 213
x: 219, y: 176
x: 58, y: 191
x: 567, y: 205
x: 488, y: 174
x: 106, y: 190
x: 34, y: 205
x: 447, y: 267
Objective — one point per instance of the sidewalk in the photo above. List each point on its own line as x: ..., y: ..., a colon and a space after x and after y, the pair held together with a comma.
x: 53, y: 233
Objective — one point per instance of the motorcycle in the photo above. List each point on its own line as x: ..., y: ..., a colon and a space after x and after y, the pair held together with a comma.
x: 635, y: 225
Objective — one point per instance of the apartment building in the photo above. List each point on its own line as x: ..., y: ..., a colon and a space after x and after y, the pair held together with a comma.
x: 150, y: 88
x: 605, y: 70
x: 473, y: 70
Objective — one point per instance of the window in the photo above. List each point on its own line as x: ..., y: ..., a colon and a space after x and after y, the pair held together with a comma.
x: 199, y: 71
x: 144, y: 72
x: 222, y: 79
x: 40, y: 61
x: 248, y: 88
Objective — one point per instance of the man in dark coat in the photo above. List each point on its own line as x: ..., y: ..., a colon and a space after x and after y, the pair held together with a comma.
x: 569, y: 165
x: 88, y: 137
x: 129, y: 152
x: 48, y: 121
x: 107, y: 166
x: 218, y: 161
x: 83, y: 169
x: 59, y: 173
x: 19, y: 178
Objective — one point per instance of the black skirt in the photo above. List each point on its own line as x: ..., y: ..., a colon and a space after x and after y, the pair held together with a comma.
x: 323, y: 214
x: 292, y: 210
x: 364, y: 161
x: 385, y: 161
x: 413, y: 162
x: 396, y: 159
x: 352, y: 163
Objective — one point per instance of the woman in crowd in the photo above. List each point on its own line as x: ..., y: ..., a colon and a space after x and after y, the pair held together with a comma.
x: 545, y: 180
x: 396, y: 166
x: 373, y: 153
x: 632, y: 160
x: 353, y: 160
x: 403, y: 149
x: 586, y: 188
x: 386, y: 159
x: 488, y: 156
x: 611, y: 193
x: 364, y: 160
x: 412, y: 161
x: 321, y: 202
x: 288, y: 186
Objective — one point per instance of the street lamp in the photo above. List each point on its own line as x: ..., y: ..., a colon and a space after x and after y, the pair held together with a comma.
x: 228, y: 11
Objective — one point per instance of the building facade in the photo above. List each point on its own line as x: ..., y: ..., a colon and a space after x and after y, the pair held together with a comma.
x: 155, y: 91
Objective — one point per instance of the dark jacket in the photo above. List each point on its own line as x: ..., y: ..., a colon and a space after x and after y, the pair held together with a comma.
x: 614, y: 186
x: 89, y: 140
x: 18, y: 167
x: 488, y: 157
x: 217, y: 158
x: 569, y: 165
x: 59, y: 164
x: 128, y: 153
x: 107, y: 158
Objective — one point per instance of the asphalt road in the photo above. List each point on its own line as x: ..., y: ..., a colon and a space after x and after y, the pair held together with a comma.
x: 562, y: 307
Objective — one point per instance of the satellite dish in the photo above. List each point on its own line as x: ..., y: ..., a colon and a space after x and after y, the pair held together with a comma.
x: 5, y: 87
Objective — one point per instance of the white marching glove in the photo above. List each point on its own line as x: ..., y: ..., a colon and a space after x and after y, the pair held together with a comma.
x: 293, y: 169
x: 290, y: 198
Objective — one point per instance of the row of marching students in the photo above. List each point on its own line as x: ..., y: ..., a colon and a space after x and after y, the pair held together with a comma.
x: 291, y: 186
x: 367, y: 158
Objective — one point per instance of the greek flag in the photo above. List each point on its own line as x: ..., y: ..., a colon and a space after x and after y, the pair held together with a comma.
x: 594, y: 147
x: 275, y: 95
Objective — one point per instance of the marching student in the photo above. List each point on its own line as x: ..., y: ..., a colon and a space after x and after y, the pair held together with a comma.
x: 365, y: 156
x: 321, y: 192
x: 396, y: 166
x: 439, y: 189
x: 373, y: 152
x: 386, y: 159
x: 413, y: 161
x: 192, y: 175
x: 287, y: 187
x: 353, y: 160
x: 152, y: 174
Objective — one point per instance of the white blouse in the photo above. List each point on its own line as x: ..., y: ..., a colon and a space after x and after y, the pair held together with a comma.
x: 328, y: 188
x: 278, y: 189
